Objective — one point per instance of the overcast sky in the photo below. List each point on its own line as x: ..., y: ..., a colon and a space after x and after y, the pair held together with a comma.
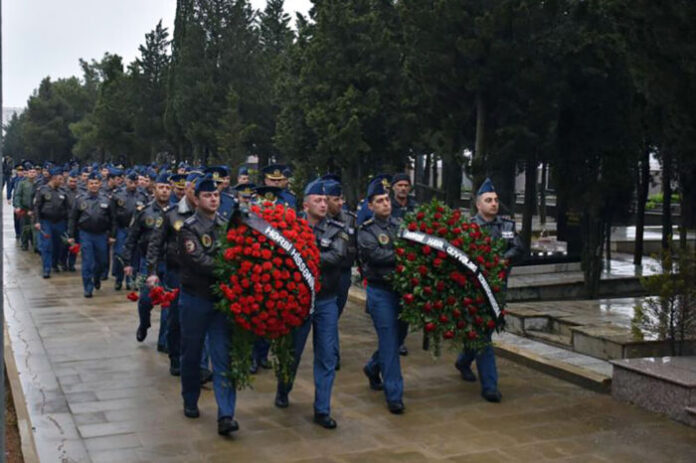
x: 47, y: 37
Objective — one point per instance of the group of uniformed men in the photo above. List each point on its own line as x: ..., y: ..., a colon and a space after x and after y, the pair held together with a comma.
x: 161, y: 227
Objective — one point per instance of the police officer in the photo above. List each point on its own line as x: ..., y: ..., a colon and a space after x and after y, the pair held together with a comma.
x: 324, y: 320
x: 178, y: 188
x: 273, y: 175
x: 335, y: 202
x: 197, y: 251
x: 51, y: 208
x: 23, y: 202
x: 124, y: 203
x: 163, y: 247
x: 243, y: 175
x: 11, y: 186
x: 145, y: 221
x: 377, y: 257
x: 363, y: 212
x: 71, y: 191
x: 487, y: 206
x: 228, y: 203
x: 91, y: 216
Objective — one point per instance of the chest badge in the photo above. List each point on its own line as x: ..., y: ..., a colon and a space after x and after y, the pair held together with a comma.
x: 149, y: 222
x: 383, y: 238
x: 47, y: 196
x: 83, y: 206
x: 158, y: 222
x: 190, y: 246
x: 508, y: 235
x: 178, y: 224
x: 206, y: 240
x: 121, y: 203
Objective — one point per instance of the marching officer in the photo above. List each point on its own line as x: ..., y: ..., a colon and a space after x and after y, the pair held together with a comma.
x: 228, y: 203
x: 145, y: 221
x: 335, y: 201
x: 243, y: 175
x: 163, y: 247
x: 23, y: 202
x: 332, y: 247
x: 363, y: 212
x: 197, y: 243
x: 178, y: 188
x: 11, y: 185
x: 487, y: 206
x: 273, y: 175
x: 71, y: 191
x: 91, y: 217
x: 377, y: 257
x: 51, y: 208
x: 124, y: 203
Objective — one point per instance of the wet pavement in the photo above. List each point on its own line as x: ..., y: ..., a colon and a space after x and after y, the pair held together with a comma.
x: 94, y: 394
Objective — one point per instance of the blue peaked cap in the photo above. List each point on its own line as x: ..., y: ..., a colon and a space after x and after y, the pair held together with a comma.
x: 205, y: 183
x: 315, y: 187
x: 486, y: 187
x: 379, y: 185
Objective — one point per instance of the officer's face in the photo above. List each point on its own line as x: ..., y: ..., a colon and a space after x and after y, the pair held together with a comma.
x: 143, y: 181
x: 209, y: 201
x: 315, y: 206
x: 84, y: 176
x: 272, y: 182
x: 191, y: 192
x: 181, y: 170
x: 380, y: 205
x: 104, y: 172
x: 130, y: 184
x: 225, y: 182
x: 179, y: 192
x: 57, y: 180
x: 93, y: 185
x: 72, y: 183
x: 335, y: 204
x: 31, y: 173
x: 487, y: 205
x: 401, y: 189
x: 162, y: 192
x: 118, y: 181
x: 242, y: 179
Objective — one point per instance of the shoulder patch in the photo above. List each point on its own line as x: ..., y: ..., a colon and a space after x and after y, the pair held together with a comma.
x: 336, y: 223
x: 191, y: 220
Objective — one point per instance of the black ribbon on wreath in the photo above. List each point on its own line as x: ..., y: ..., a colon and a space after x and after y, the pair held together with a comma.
x: 257, y: 223
x: 460, y: 256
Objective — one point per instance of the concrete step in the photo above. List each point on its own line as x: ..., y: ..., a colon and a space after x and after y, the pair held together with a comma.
x: 691, y: 411
x: 554, y: 339
x: 585, y: 371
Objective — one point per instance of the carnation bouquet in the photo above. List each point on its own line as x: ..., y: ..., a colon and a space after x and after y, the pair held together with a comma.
x: 268, y: 272
x: 450, y: 275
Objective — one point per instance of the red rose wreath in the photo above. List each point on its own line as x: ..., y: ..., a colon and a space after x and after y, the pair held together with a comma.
x: 264, y: 292
x: 450, y: 275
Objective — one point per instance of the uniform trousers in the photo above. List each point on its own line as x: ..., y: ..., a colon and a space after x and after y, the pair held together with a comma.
x: 324, y: 320
x: 93, y: 247
x: 51, y: 243
x: 384, y: 309
x: 199, y: 317
x: 485, y: 364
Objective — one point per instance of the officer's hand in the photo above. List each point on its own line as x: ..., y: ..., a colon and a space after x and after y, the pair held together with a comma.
x: 152, y: 281
x: 112, y: 240
x: 18, y: 210
x: 37, y: 226
x: 128, y: 271
x: 30, y: 213
x: 71, y: 241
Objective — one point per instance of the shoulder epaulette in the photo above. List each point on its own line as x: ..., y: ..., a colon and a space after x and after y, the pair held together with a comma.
x: 335, y: 223
x: 367, y: 222
x: 351, y: 213
x: 191, y: 220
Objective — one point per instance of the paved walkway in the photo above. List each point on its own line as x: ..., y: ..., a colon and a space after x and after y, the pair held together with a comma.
x: 94, y: 394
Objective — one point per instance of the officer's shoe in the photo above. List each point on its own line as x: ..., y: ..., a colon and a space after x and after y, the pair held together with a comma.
x: 88, y: 294
x: 465, y: 371
x: 162, y: 348
x: 174, y: 367
x: 97, y: 283
x: 324, y: 420
x: 191, y: 412
x: 141, y: 333
x: 375, y: 380
x: 281, y: 399
x: 56, y: 269
x: 403, y: 350
x: 105, y: 277
x: 492, y: 395
x: 206, y: 375
x: 338, y: 365
x: 254, y: 367
x: 71, y: 268
x: 47, y: 275
x: 397, y: 408
x: 118, y: 285
x: 129, y: 286
x: 265, y: 364
x: 227, y: 425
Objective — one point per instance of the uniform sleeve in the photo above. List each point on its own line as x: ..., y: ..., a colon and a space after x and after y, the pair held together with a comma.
x: 372, y: 253
x: 73, y: 217
x: 155, y: 243
x: 335, y: 254
x: 112, y: 214
x: 516, y: 250
x: 17, y: 198
x: 192, y: 254
x: 132, y: 239
x: 38, y: 203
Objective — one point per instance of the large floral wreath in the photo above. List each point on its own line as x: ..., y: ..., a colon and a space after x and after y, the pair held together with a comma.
x: 450, y: 274
x: 268, y: 262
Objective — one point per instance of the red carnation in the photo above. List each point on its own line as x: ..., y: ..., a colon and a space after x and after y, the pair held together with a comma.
x: 133, y: 296
x: 429, y: 327
x: 426, y: 250
x: 408, y: 298
x: 412, y: 226
x: 410, y: 257
x: 448, y: 334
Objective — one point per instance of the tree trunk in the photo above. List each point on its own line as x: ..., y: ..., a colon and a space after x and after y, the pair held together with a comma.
x: 642, y: 188
x: 666, y: 200
x: 542, y: 194
x: 608, y: 245
x: 530, y: 181
x: 594, y: 230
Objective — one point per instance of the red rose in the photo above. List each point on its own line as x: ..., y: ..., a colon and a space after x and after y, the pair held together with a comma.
x: 408, y: 298
x: 438, y: 305
x: 133, y: 296
x: 451, y: 300
x: 429, y: 327
x: 461, y: 324
x: 427, y: 290
x: 472, y: 310
x: 420, y: 215
x: 440, y: 286
x: 426, y: 250
x: 410, y: 257
x: 456, y: 313
x: 428, y: 307
x: 437, y: 262
x: 490, y: 324
x: 423, y: 270
x: 472, y: 335
x: 400, y: 251
x: 415, y: 281
x: 443, y: 318
x: 412, y: 226
x: 399, y: 268
x: 448, y: 334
